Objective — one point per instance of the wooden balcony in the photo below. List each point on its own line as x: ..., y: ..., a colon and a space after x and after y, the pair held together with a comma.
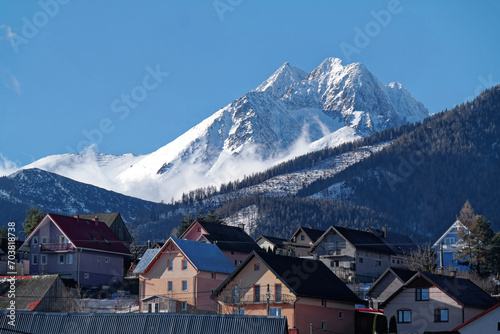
x: 259, y: 299
x: 64, y: 247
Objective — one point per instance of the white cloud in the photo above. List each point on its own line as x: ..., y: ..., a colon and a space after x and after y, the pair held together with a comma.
x: 7, y: 166
x: 9, y: 35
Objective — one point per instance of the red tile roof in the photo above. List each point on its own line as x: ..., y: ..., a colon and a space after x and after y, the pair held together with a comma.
x: 86, y: 233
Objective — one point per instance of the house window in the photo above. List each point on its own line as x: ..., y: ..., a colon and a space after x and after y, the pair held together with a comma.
x: 43, y: 259
x: 157, y: 308
x: 213, y: 276
x: 106, y: 259
x: 421, y: 294
x: 199, y: 229
x: 150, y: 308
x: 275, y: 311
x: 277, y: 292
x: 169, y: 265
x: 184, y: 285
x: 323, y: 325
x: 378, y: 263
x: 35, y: 240
x: 170, y: 286
x: 323, y: 302
x: 106, y: 241
x: 240, y: 311
x: 441, y: 315
x: 86, y: 276
x: 34, y: 259
x: 44, y: 240
x: 404, y: 316
x: 360, y: 260
x: 61, y: 258
x: 63, y: 240
x: 256, y: 267
x: 256, y: 293
x: 302, y: 237
x: 235, y: 262
x: 184, y: 265
x: 98, y: 259
x: 341, y: 315
x: 184, y: 306
x: 236, y: 294
x: 70, y: 258
x: 449, y: 241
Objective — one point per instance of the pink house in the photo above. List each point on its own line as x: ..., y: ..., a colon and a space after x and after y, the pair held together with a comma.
x: 305, y: 291
x: 181, y: 276
x: 232, y: 241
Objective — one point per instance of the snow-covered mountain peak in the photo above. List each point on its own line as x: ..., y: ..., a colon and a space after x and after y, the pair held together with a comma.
x: 282, y: 80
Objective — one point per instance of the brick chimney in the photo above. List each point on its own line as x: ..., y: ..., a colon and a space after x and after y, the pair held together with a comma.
x: 96, y: 221
x: 77, y: 217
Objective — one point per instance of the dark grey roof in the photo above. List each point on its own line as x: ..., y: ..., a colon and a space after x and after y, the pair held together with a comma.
x: 397, y: 242
x: 462, y: 290
x: 229, y: 238
x: 363, y: 240
x: 28, y: 292
x: 313, y: 279
x: 312, y: 233
x: 277, y: 241
x: 403, y: 275
x: 134, y: 323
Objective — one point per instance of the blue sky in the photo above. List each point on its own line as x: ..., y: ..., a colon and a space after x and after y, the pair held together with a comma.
x: 132, y: 76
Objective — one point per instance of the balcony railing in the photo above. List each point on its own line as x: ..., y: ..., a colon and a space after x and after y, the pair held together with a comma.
x: 257, y: 299
x: 57, y: 247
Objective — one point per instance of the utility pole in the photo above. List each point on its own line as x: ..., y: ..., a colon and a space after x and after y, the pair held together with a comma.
x: 268, y: 296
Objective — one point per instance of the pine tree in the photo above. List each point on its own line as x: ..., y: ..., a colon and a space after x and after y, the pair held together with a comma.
x: 393, y: 325
x: 33, y: 217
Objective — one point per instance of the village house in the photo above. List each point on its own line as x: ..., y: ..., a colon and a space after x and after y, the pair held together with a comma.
x: 302, y: 240
x: 232, y: 241
x: 400, y: 244
x: 116, y: 224
x: 352, y: 254
x: 432, y: 303
x: 181, y: 276
x: 84, y: 250
x: 45, y: 293
x: 485, y: 322
x: 388, y: 283
x: 448, y: 248
x: 272, y: 244
x: 303, y: 290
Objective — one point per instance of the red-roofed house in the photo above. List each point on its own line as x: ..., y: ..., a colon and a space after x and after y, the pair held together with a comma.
x: 85, y: 250
x: 485, y: 322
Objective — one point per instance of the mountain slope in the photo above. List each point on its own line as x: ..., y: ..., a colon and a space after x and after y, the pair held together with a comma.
x: 424, y: 177
x: 289, y: 114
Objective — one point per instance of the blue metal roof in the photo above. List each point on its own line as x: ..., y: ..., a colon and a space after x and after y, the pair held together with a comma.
x: 205, y: 256
x: 146, y: 259
x: 135, y: 323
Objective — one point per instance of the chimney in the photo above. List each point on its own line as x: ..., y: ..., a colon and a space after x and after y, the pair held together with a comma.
x: 242, y: 226
x: 441, y: 257
x: 149, y: 244
x: 95, y: 220
x: 384, y: 232
x: 77, y: 217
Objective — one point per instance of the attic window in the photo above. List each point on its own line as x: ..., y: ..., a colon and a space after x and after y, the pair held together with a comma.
x: 87, y: 222
x: 93, y: 238
x: 106, y: 241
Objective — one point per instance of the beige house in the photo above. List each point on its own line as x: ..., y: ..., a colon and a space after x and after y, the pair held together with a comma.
x: 181, y: 276
x: 303, y: 239
x: 387, y: 284
x: 433, y: 303
x: 303, y: 290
